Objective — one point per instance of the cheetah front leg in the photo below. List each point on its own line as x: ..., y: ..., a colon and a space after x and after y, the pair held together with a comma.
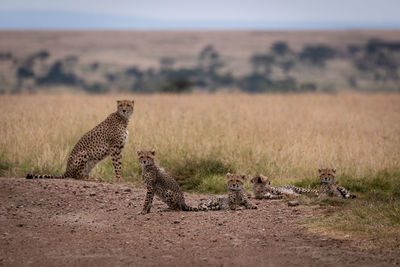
x: 232, y: 201
x: 148, y: 201
x: 116, y: 161
x: 247, y: 203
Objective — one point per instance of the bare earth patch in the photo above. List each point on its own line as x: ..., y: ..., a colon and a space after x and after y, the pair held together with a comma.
x: 70, y: 223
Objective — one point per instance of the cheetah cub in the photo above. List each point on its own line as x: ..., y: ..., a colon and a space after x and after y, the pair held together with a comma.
x: 159, y: 183
x: 327, y: 185
x: 106, y: 139
x: 237, y: 196
x: 262, y: 189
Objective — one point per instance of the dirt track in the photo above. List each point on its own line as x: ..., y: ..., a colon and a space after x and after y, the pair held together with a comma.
x: 71, y: 223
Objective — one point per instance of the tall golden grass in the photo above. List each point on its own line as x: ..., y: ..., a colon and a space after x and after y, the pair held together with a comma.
x: 285, y: 136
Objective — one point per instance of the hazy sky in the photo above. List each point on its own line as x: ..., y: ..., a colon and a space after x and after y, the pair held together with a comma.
x: 204, y: 12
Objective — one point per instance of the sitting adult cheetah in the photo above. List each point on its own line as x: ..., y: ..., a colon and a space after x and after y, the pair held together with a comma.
x: 237, y: 196
x: 327, y: 185
x: 107, y: 138
x: 262, y: 189
x: 159, y: 183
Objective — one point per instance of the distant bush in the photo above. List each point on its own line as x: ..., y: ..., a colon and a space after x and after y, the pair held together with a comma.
x: 285, y: 86
x: 6, y: 56
x: 134, y: 72
x: 111, y: 77
x: 26, y: 69
x: 57, y: 75
x: 280, y: 48
x: 166, y: 81
x: 166, y: 63
x: 262, y: 63
x: 226, y: 79
x: 96, y: 88
x: 94, y: 66
x: 42, y: 55
x: 317, y: 54
x: 209, y: 60
x: 379, y: 59
x: 255, y: 83
x: 152, y: 84
x: 177, y: 86
x: 308, y: 87
x: 24, y: 72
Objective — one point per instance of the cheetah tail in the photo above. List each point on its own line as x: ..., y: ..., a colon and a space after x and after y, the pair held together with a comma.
x: 345, y: 193
x: 42, y: 176
x: 188, y: 208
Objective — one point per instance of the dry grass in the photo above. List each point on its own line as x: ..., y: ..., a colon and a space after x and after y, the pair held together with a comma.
x: 286, y: 136
x: 201, y: 137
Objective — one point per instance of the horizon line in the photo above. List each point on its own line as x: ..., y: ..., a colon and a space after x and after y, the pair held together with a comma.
x: 72, y: 20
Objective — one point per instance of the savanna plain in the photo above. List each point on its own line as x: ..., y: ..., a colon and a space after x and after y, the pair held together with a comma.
x: 201, y: 137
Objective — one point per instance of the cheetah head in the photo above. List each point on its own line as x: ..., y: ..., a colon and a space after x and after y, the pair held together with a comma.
x: 260, y: 184
x: 125, y: 108
x: 327, y: 176
x: 146, y: 158
x: 235, y: 181
x: 260, y: 181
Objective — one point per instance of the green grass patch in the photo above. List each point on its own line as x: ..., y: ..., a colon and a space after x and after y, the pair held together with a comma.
x: 5, y: 166
x: 213, y: 185
x: 382, y: 185
x: 310, y: 183
x: 200, y: 174
x: 364, y: 219
x: 373, y: 215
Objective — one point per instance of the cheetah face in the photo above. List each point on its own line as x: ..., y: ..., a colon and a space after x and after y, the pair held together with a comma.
x: 125, y: 108
x: 236, y: 181
x: 146, y: 158
x: 260, y: 181
x: 327, y: 176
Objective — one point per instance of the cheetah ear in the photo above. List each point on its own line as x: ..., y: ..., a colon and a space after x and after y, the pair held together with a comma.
x: 139, y: 152
x: 243, y: 176
x: 260, y: 179
x: 228, y: 175
x: 133, y: 101
x: 252, y: 180
x: 118, y: 102
x: 153, y: 152
x: 319, y: 170
x: 334, y: 170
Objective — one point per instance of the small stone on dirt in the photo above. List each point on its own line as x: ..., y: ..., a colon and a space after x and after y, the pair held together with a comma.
x: 293, y: 203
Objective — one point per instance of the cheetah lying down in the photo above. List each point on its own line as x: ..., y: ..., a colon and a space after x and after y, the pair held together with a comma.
x: 327, y: 187
x: 262, y: 188
x: 237, y: 196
